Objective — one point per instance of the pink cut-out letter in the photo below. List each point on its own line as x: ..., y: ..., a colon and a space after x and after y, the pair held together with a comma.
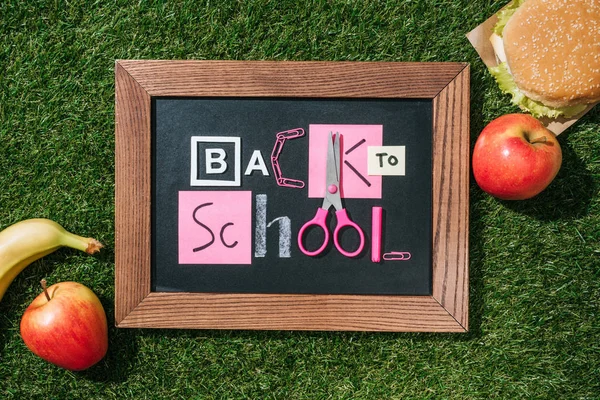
x: 215, y: 227
x: 355, y: 180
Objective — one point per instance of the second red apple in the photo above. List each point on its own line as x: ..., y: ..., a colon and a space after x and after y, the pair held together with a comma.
x: 66, y: 325
x: 516, y: 157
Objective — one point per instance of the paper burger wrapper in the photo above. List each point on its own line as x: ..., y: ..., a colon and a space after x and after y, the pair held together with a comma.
x: 480, y: 39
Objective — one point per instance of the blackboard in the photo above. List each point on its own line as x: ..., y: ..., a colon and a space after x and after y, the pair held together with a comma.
x: 406, y: 200
x: 199, y: 171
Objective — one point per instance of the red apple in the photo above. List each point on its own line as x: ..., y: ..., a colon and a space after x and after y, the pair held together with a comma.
x: 515, y: 157
x: 66, y: 325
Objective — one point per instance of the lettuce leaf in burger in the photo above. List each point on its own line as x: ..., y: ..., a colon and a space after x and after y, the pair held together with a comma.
x: 548, y: 54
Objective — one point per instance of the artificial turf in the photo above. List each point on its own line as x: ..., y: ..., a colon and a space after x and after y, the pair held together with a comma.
x: 534, y: 265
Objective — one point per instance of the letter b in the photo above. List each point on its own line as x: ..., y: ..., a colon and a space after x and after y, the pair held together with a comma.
x: 215, y: 161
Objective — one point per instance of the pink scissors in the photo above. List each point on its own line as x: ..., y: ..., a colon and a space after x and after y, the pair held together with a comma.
x: 332, y: 198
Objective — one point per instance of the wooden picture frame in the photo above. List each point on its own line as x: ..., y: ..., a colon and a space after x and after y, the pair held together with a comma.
x: 446, y: 84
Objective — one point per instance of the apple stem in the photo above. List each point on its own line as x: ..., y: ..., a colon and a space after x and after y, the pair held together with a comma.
x: 43, y: 282
x: 541, y: 139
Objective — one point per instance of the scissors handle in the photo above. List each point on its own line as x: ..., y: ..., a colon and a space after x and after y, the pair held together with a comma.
x: 320, y: 221
x: 343, y: 221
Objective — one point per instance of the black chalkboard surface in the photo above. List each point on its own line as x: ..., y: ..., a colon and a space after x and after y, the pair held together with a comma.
x: 194, y: 142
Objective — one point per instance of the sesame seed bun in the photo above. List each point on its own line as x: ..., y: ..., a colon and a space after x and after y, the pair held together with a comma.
x: 553, y: 51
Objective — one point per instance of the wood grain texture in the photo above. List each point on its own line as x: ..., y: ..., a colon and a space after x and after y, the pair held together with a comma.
x: 447, y: 84
x: 451, y: 168
x: 292, y: 312
x: 132, y: 193
x: 292, y: 79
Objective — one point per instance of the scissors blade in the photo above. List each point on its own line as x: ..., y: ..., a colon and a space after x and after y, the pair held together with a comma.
x: 336, y: 153
x: 332, y: 186
x: 333, y: 176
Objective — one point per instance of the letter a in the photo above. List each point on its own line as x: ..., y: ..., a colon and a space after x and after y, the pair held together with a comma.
x: 256, y: 163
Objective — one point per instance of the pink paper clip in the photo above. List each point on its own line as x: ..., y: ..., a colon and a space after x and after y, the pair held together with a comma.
x: 397, y: 256
x: 281, y: 137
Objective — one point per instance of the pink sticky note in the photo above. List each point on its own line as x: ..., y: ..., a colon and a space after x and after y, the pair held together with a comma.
x: 215, y: 227
x: 355, y: 180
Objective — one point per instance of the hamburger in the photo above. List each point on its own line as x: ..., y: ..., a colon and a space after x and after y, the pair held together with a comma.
x: 548, y: 54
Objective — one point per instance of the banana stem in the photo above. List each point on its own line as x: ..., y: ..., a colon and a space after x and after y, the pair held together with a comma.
x: 89, y: 245
x: 43, y: 282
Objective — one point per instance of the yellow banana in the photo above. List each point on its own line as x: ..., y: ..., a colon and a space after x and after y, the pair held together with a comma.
x: 31, y: 239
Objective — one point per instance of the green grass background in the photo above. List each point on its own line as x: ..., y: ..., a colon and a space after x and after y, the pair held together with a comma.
x: 534, y: 265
